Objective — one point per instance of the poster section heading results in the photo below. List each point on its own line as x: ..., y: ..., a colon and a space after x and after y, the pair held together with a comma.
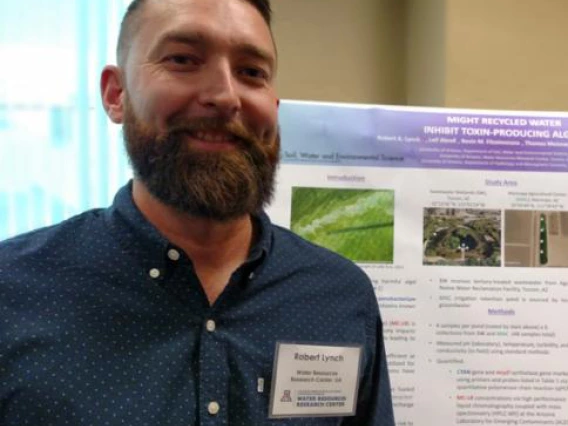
x: 383, y: 136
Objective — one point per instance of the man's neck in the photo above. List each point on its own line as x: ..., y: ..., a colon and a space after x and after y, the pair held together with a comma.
x: 215, y: 248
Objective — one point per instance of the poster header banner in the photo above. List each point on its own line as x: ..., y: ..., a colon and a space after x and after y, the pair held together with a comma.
x: 387, y: 136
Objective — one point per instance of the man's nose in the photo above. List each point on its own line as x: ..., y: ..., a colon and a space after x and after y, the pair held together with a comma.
x: 219, y: 90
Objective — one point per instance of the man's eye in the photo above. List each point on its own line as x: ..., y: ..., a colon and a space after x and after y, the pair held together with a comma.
x: 182, y: 59
x: 255, y: 73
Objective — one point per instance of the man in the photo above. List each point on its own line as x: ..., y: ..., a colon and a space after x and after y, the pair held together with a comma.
x: 171, y: 306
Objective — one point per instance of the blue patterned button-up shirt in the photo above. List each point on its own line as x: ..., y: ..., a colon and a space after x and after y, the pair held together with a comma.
x: 104, y: 322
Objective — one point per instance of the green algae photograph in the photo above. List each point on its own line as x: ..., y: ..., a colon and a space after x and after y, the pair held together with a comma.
x: 356, y: 223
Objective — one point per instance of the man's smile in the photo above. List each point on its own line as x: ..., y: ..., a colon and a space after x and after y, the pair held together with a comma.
x: 212, y: 140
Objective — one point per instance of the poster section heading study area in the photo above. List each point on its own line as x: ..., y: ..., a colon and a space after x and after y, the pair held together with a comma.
x: 460, y: 220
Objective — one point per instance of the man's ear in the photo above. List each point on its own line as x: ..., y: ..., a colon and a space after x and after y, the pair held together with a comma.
x: 112, y: 93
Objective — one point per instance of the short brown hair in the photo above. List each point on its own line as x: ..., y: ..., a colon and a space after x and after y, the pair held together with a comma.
x: 128, y: 24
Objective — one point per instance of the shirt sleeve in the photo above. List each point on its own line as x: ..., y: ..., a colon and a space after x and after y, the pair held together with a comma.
x: 374, y: 404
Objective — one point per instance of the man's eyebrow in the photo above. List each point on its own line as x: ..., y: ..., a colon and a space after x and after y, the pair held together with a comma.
x: 257, y: 53
x: 198, y: 39
x: 192, y: 39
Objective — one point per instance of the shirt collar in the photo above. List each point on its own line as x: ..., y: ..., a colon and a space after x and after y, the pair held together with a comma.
x: 135, y: 231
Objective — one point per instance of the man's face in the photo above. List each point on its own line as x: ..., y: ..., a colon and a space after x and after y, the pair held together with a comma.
x: 200, y: 109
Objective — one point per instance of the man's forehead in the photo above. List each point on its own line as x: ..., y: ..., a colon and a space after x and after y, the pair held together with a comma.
x: 174, y: 8
x: 160, y: 17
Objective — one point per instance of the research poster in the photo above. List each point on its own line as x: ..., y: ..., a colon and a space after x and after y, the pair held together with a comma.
x: 460, y: 220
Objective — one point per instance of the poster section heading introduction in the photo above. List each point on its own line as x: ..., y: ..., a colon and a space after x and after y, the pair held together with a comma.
x: 357, y: 135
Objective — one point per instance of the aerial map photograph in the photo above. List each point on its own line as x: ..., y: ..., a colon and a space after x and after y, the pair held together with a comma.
x: 536, y: 238
x: 462, y: 237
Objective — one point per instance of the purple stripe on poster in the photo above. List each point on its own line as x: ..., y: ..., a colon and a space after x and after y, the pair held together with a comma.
x: 381, y: 136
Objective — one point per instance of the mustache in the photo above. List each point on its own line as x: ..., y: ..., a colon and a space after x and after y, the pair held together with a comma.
x: 234, y: 128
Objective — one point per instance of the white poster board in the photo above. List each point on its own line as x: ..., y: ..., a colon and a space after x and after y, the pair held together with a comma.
x: 460, y: 219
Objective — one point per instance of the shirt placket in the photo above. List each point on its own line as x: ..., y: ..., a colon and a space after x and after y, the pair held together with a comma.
x: 214, y: 375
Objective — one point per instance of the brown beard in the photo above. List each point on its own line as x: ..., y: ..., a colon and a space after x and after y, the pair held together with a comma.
x: 220, y: 185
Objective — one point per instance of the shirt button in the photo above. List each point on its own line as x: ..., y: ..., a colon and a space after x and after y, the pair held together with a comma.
x: 213, y: 408
x: 251, y: 275
x: 173, y: 254
x: 210, y: 325
x: 154, y: 273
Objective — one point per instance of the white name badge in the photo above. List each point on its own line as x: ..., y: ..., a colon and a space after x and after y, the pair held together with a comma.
x: 314, y: 380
